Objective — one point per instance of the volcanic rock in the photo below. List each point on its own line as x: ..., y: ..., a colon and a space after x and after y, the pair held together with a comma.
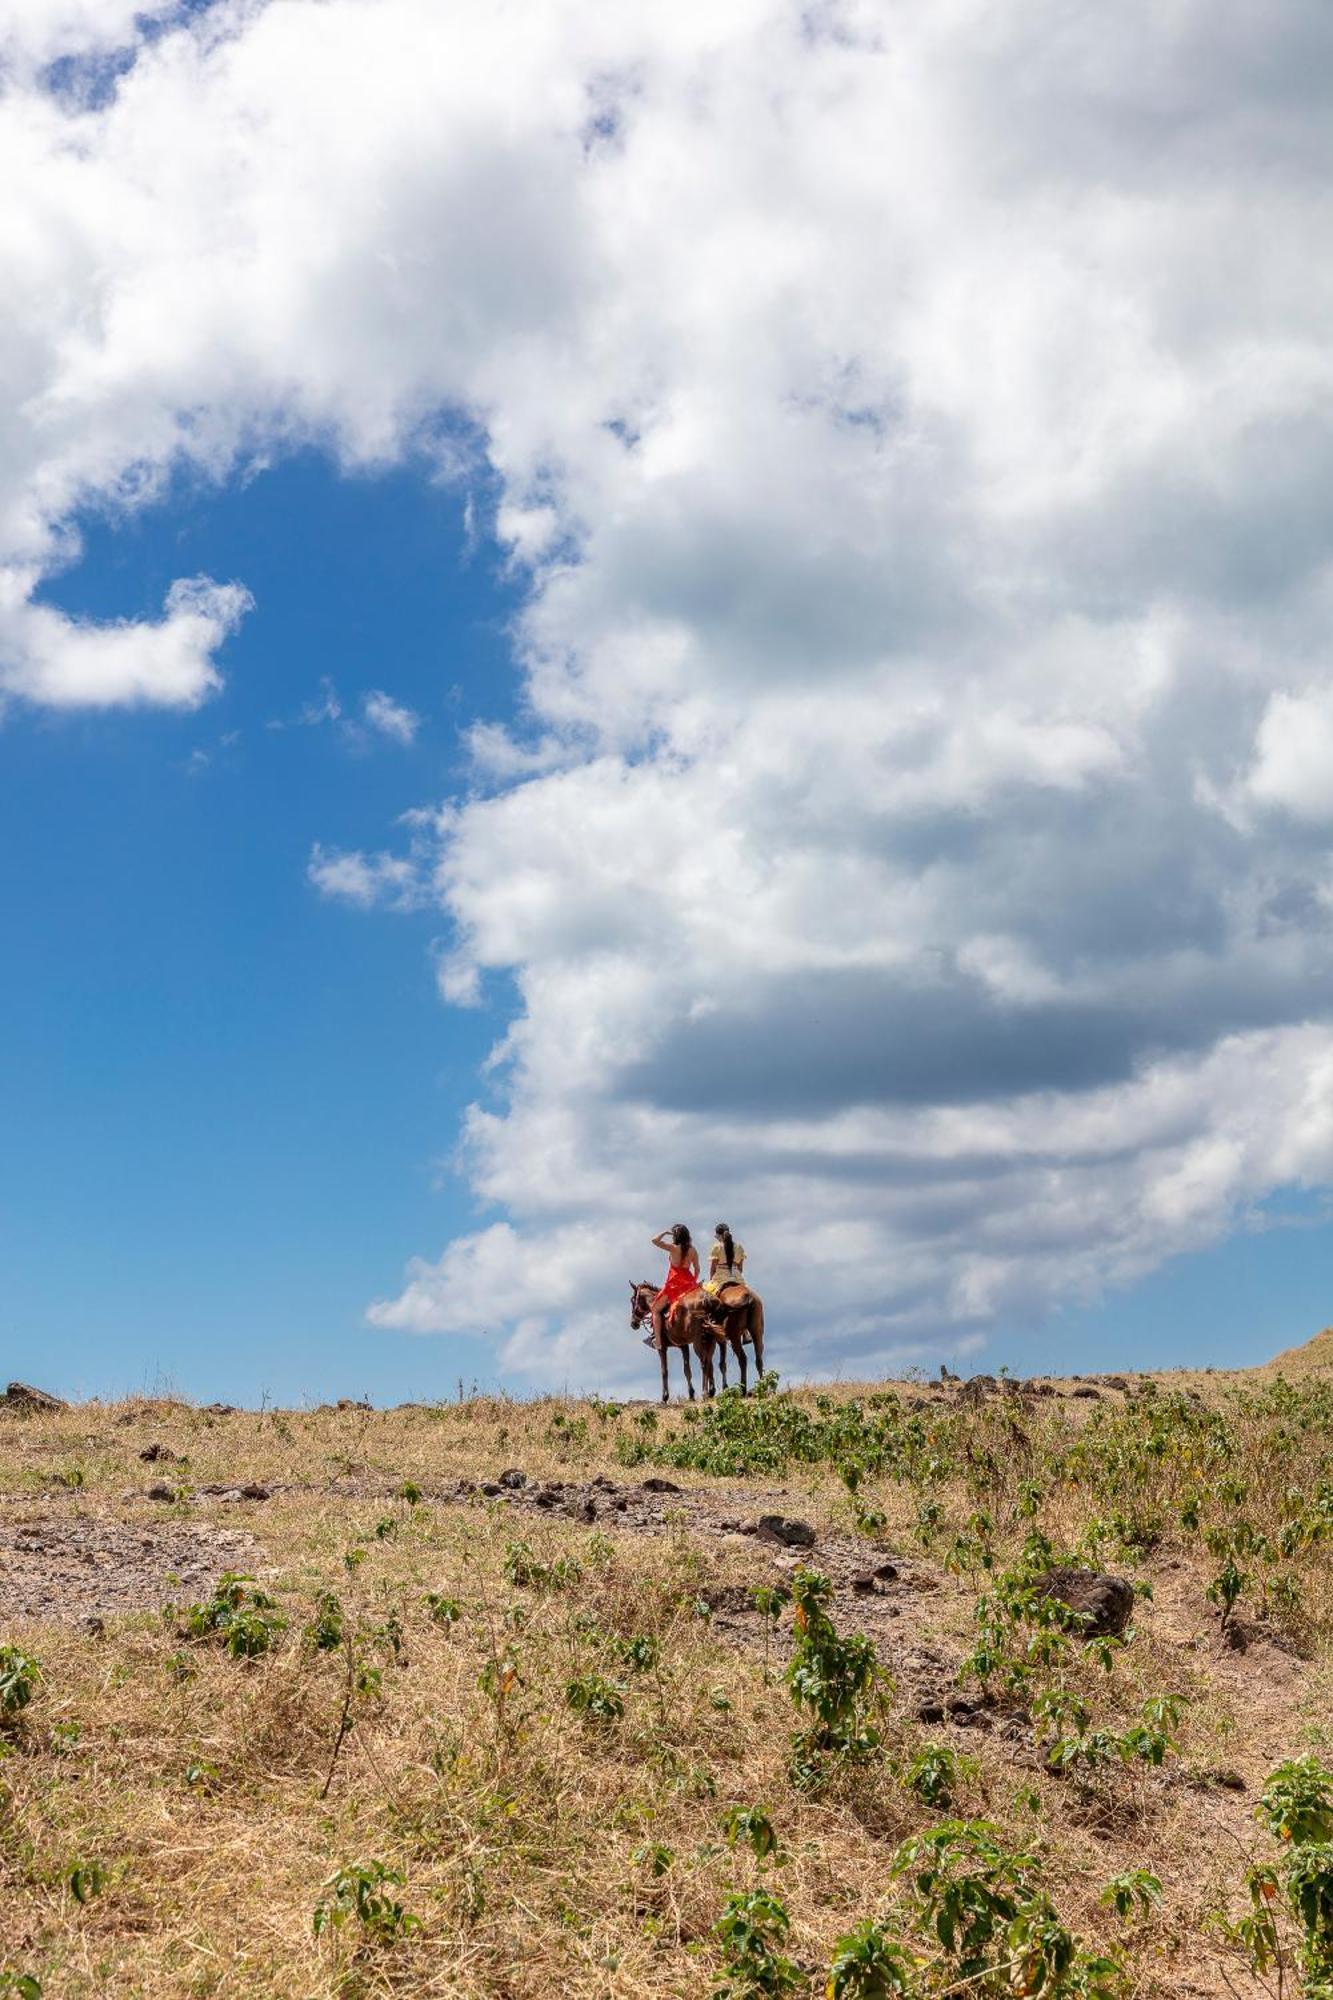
x: 1106, y: 1602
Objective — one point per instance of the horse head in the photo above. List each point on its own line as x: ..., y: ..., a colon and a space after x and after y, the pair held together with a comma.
x: 640, y: 1302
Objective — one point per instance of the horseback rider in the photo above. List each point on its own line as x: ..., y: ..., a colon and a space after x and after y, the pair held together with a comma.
x: 682, y: 1276
x: 726, y: 1260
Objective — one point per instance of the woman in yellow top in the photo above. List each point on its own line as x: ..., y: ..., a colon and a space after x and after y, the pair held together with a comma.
x: 726, y: 1260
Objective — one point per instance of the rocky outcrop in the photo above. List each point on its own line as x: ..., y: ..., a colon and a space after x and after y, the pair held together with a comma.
x: 21, y: 1396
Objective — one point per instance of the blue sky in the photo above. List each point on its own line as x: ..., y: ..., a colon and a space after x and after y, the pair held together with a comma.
x: 231, y: 1105
x: 610, y: 615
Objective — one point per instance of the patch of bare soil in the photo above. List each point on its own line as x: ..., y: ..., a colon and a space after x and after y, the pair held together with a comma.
x: 72, y: 1567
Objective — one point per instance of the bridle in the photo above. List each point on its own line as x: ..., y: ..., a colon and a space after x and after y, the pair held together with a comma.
x: 639, y: 1310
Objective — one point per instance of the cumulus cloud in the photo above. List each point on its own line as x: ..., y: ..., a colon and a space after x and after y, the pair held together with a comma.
x: 913, y: 426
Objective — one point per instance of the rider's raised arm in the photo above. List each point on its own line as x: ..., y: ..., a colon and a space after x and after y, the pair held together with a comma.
x: 662, y: 1241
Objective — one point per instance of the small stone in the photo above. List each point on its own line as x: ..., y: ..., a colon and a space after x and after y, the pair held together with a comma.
x: 864, y: 1586
x: 492, y: 1489
x: 546, y: 1498
x: 656, y: 1485
x: 513, y: 1478
x: 219, y: 1409
x: 158, y: 1454
x: 789, y: 1534
x: 1087, y: 1392
x: 930, y: 1711
x: 161, y: 1491
x: 94, y: 1627
x: 254, y: 1491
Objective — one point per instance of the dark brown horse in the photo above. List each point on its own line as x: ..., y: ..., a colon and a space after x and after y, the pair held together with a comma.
x: 738, y: 1315
x: 687, y: 1327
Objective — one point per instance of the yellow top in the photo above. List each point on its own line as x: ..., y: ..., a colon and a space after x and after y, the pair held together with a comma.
x: 720, y: 1274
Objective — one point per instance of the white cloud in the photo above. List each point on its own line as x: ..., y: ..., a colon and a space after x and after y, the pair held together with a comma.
x: 67, y: 663
x: 389, y: 717
x: 365, y: 879
x: 913, y: 427
x: 1293, y: 764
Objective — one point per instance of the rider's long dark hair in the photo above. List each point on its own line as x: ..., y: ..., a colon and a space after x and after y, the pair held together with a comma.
x: 680, y: 1236
x: 723, y: 1235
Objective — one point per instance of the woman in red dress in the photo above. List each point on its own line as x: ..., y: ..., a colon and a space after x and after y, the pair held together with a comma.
x: 682, y: 1276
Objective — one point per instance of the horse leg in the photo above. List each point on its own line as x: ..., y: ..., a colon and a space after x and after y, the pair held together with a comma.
x: 704, y: 1350
x: 722, y: 1360
x: 662, y: 1357
x: 738, y: 1347
x: 757, y: 1329
x: 689, y: 1373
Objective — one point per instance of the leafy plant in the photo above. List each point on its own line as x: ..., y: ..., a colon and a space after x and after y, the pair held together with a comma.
x: 358, y: 1892
x: 750, y: 1931
x: 444, y: 1610
x: 246, y: 1620
x: 751, y: 1826
x: 1297, y: 1802
x: 20, y: 1674
x: 868, y: 1964
x: 1134, y: 1893
x: 595, y: 1698
x: 86, y: 1880
x: 935, y: 1773
x: 829, y: 1677
x: 986, y: 1907
x: 654, y: 1856
x: 325, y: 1630
x: 525, y: 1569
x: 1226, y: 1590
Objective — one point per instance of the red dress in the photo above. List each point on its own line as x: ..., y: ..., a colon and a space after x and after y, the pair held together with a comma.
x: 679, y: 1280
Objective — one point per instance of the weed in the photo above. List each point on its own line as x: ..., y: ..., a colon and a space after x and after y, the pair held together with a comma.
x: 444, y: 1610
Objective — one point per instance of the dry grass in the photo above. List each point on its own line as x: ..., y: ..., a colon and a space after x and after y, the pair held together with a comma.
x: 196, y: 1782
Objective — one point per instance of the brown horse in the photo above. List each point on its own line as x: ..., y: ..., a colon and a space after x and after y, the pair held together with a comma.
x: 687, y: 1327
x: 737, y: 1315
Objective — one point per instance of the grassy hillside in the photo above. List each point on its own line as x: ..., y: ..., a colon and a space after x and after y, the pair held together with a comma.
x: 587, y: 1730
